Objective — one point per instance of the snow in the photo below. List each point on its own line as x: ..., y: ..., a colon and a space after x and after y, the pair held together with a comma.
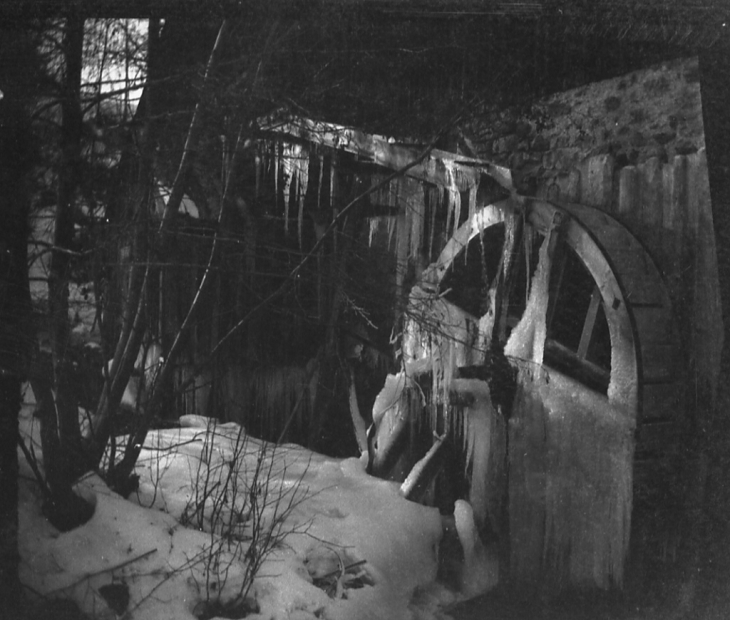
x: 344, y: 545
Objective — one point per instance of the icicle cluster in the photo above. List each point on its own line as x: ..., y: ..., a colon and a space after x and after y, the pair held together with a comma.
x: 527, y: 340
x: 295, y: 175
x: 452, y: 198
x: 289, y: 166
x: 438, y: 337
x: 415, y: 204
x: 571, y: 460
x: 482, y: 434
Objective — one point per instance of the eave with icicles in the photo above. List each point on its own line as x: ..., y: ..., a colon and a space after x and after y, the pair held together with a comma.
x: 410, y: 185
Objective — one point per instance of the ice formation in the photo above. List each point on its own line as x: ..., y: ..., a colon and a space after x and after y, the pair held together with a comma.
x: 480, y: 571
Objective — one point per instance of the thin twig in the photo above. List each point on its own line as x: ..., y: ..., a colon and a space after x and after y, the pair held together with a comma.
x: 176, y: 193
x: 173, y: 446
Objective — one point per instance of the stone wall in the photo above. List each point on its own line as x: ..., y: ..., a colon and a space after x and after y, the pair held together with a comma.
x: 633, y: 147
x: 656, y: 112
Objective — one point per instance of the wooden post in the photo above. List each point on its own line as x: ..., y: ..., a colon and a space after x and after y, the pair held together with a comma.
x: 627, y: 193
x: 597, y: 181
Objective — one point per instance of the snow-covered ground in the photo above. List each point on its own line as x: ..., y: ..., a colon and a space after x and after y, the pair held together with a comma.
x: 333, y: 542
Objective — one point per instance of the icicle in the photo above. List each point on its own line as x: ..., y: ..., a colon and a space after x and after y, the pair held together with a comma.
x: 304, y: 170
x: 449, y: 368
x: 404, y: 236
x: 579, y: 448
x: 373, y: 227
x: 418, y: 207
x: 480, y: 571
x: 333, y: 203
x: 456, y: 199
x: 527, y: 340
x: 300, y: 216
x: 453, y: 196
x: 432, y: 204
x: 446, y: 200
x: 276, y: 176
x: 303, y: 178
x: 391, y: 420
x: 510, y: 223
x: 479, y: 418
x: 401, y: 250
x: 291, y: 155
x: 473, y: 200
x: 435, y: 381
x: 319, y: 181
x: 288, y: 173
x: 407, y: 211
x: 457, y: 212
x: 392, y: 222
x: 258, y: 165
x: 332, y: 181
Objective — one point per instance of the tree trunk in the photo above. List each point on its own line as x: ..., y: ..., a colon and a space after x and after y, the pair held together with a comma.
x: 128, y: 211
x: 61, y: 437
x: 122, y: 476
x: 15, y: 330
x: 9, y: 558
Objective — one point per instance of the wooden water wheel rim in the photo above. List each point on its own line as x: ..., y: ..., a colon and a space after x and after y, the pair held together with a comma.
x: 624, y: 386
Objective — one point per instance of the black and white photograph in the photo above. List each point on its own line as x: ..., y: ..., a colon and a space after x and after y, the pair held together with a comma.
x: 364, y: 309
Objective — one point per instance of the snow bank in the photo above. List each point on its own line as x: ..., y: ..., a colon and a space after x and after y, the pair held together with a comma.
x: 122, y: 543
x: 348, y: 545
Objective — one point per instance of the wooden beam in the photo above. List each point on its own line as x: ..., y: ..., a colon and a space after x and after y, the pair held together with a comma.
x: 440, y: 167
x: 32, y: 9
x: 701, y: 22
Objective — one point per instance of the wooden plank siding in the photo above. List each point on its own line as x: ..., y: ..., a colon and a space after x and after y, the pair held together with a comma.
x: 667, y: 267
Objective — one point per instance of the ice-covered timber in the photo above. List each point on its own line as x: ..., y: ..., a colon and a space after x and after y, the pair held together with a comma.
x: 571, y: 447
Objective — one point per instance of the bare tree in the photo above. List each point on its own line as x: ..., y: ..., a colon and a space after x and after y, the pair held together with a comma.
x: 15, y: 160
x: 195, y: 131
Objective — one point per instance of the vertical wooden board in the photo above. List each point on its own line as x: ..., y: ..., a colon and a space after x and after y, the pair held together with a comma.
x: 707, y: 328
x: 674, y: 203
x: 568, y: 186
x: 661, y: 401
x: 659, y: 361
x: 628, y: 190
x: 657, y: 437
x: 675, y: 194
x: 650, y: 189
x: 586, y: 191
x: 654, y: 325
x: 596, y: 180
x: 698, y: 191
